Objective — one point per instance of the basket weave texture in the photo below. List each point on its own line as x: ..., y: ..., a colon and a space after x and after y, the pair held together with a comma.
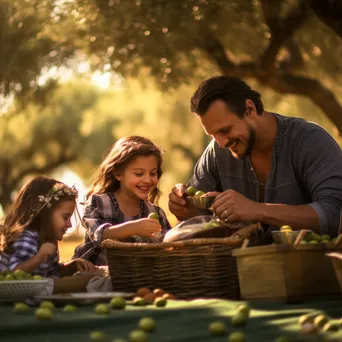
x: 188, y: 269
x: 21, y: 289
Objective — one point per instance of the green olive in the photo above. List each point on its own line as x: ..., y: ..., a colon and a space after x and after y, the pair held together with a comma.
x: 320, y: 320
x: 237, y: 336
x: 118, y: 303
x: 138, y: 301
x: 9, y: 277
x: 191, y: 191
x: 47, y: 305
x: 147, y: 324
x: 70, y: 308
x: 43, y: 314
x: 21, y: 307
x: 37, y: 277
x: 160, y: 302
x: 102, y: 309
x: 217, y: 328
x: 239, y: 318
x: 285, y: 228
x: 325, y: 237
x: 199, y: 194
x: 19, y: 274
x: 244, y: 308
x: 315, y: 237
x: 153, y: 216
x: 138, y: 336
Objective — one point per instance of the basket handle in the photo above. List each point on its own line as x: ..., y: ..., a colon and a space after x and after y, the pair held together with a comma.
x: 338, y: 240
x: 301, y: 236
x: 245, y: 243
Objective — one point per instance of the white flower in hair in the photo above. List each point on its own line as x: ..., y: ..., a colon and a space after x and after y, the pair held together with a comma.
x: 58, y: 190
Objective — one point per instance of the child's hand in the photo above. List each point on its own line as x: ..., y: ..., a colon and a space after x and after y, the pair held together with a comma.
x: 46, y: 249
x: 147, y: 227
x: 84, y: 265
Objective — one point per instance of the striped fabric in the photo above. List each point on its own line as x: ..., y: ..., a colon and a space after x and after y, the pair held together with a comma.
x: 24, y: 249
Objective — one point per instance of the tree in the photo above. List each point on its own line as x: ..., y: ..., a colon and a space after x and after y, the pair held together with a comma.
x: 284, y: 45
x: 34, y: 35
x: 36, y: 140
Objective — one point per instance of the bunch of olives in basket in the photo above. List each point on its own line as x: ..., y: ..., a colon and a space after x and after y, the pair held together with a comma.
x: 310, y: 237
x: 18, y: 275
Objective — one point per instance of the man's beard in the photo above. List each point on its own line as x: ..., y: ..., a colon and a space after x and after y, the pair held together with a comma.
x: 250, y: 143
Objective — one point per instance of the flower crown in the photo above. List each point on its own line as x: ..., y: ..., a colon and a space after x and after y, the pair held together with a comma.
x: 59, y: 189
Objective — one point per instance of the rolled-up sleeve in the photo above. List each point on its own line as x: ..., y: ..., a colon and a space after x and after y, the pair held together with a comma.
x: 321, y: 169
x: 94, y: 217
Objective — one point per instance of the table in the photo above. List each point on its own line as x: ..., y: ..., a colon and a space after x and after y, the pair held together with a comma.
x: 178, y: 321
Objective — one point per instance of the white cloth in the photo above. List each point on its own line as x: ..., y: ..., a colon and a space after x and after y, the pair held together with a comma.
x: 100, y: 284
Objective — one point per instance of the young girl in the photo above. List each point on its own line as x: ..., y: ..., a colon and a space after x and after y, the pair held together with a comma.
x: 122, y: 196
x: 39, y: 218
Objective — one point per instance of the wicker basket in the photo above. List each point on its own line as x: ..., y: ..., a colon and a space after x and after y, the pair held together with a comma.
x: 11, y: 290
x: 188, y: 269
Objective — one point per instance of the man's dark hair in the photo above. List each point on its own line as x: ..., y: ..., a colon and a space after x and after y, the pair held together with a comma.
x: 231, y: 90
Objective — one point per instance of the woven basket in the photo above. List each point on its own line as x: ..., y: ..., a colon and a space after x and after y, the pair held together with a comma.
x: 188, y: 269
x: 11, y: 290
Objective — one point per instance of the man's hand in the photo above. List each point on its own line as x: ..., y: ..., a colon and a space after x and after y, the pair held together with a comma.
x: 46, y: 249
x: 231, y: 206
x: 84, y: 265
x: 177, y: 204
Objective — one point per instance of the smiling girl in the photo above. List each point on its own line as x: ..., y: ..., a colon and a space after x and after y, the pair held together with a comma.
x: 122, y: 196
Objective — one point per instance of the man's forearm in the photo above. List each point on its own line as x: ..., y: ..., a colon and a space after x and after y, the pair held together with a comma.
x: 297, y: 216
x: 68, y: 268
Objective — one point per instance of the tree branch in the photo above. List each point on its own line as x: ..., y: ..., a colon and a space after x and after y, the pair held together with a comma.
x: 311, y: 88
x: 48, y: 167
x: 281, y: 30
x: 278, y: 79
x: 330, y: 12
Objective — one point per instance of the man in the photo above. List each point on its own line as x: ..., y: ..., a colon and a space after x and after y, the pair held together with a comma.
x: 262, y: 166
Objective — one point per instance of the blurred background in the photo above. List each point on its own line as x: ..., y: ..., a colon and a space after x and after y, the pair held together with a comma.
x: 76, y: 75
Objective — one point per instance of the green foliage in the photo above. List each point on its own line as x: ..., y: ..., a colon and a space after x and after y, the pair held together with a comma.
x: 34, y: 35
x: 37, y: 140
x: 169, y: 37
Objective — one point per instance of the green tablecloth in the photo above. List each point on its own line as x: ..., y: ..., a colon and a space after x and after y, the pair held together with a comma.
x: 179, y: 321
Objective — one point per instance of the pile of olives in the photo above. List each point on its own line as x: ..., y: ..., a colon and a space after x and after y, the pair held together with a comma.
x: 310, y: 237
x: 318, y: 321
x: 18, y: 275
x: 158, y: 297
